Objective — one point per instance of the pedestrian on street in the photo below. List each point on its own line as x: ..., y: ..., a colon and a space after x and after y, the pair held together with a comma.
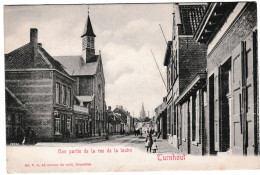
x: 149, y: 142
x: 154, y: 147
x: 67, y: 135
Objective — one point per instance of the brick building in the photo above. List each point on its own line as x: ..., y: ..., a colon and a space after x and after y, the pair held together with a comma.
x: 127, y: 119
x: 15, y: 118
x: 161, y: 119
x: 87, y: 70
x: 114, y: 122
x: 184, y: 58
x: 43, y: 87
x: 232, y: 114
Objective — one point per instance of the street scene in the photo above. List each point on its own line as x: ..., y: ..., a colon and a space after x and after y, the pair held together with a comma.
x: 162, y: 78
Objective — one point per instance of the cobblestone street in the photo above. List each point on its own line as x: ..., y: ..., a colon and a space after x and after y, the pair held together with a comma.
x: 115, y: 140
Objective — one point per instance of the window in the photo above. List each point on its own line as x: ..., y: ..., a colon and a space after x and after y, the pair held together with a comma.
x: 84, y: 43
x: 205, y: 98
x: 88, y: 42
x: 57, y: 93
x: 58, y: 125
x: 99, y: 91
x: 68, y: 97
x: 80, y: 125
x: 198, y: 116
x: 86, y: 126
x: 92, y: 42
x: 193, y: 119
x: 63, y: 94
x: 18, y: 118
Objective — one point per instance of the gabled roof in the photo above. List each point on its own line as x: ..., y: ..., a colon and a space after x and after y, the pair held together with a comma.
x: 22, y: 58
x: 122, y: 119
x: 88, y: 30
x: 190, y: 16
x: 75, y: 65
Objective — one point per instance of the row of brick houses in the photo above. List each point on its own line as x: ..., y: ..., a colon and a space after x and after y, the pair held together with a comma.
x: 212, y: 79
x: 53, y: 95
x: 120, y: 121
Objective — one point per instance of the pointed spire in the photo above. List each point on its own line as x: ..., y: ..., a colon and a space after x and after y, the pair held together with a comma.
x: 142, y: 113
x: 88, y: 30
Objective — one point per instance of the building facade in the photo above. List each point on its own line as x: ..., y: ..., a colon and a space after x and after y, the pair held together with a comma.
x: 184, y: 58
x: 43, y: 86
x: 161, y: 119
x: 87, y: 70
x: 232, y: 117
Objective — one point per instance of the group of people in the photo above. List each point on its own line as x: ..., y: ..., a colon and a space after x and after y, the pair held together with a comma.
x: 28, y: 138
x: 138, y: 132
x: 150, y: 143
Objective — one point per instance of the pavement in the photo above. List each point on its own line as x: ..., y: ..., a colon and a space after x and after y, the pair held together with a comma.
x: 114, y: 140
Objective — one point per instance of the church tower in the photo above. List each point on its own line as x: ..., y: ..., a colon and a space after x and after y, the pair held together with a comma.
x: 88, y: 41
x: 142, y: 113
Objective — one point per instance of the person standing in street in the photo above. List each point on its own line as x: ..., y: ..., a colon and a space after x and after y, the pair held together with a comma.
x: 149, y: 142
x: 154, y: 147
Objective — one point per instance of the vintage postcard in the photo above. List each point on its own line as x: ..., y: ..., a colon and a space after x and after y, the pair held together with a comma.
x: 131, y: 87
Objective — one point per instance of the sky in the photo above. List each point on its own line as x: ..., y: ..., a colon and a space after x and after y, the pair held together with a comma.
x: 125, y: 35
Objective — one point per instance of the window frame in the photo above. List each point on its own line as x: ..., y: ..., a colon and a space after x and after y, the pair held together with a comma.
x: 57, y: 122
x: 57, y: 93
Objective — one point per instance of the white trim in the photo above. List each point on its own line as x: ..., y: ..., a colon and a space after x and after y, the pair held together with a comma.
x: 185, y: 36
x: 232, y: 17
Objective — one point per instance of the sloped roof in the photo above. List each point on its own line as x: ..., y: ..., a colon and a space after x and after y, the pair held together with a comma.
x: 12, y: 101
x: 88, y: 30
x: 22, y: 58
x: 75, y: 65
x: 191, y: 16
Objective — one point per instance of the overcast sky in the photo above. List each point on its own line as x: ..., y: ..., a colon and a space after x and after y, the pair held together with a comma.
x: 125, y: 33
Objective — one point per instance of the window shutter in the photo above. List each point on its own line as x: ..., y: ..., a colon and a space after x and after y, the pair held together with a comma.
x: 216, y: 109
x: 198, y: 117
x: 237, y: 100
x: 251, y: 92
x: 190, y: 115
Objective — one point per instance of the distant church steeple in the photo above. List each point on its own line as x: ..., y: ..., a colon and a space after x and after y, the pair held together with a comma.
x: 88, y: 41
x: 142, y: 113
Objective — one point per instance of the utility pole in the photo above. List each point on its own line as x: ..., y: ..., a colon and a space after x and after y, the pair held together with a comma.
x: 159, y: 70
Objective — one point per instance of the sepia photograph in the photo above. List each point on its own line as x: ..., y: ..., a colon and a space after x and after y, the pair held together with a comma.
x: 131, y: 87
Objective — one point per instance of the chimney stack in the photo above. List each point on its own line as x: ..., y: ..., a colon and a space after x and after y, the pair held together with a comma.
x: 109, y: 108
x: 34, y: 44
x: 34, y: 36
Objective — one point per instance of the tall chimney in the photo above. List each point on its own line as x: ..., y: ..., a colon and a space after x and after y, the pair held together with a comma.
x: 34, y: 36
x: 33, y: 42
